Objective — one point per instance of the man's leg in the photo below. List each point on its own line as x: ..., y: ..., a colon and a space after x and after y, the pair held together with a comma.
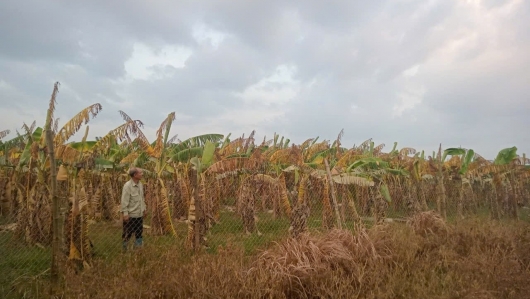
x: 127, y: 233
x: 139, y: 227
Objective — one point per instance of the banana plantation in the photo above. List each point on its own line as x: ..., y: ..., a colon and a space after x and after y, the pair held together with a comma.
x: 191, y: 183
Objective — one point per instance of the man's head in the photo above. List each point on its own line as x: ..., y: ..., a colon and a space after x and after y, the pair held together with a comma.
x: 135, y: 173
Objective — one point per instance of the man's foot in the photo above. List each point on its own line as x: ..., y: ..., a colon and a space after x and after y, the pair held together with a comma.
x: 138, y: 243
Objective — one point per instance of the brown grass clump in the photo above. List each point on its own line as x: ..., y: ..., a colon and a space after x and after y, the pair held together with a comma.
x: 295, y: 263
x: 477, y: 259
x: 428, y: 223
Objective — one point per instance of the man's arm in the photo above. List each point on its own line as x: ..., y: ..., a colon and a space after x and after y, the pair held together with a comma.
x: 142, y: 205
x: 125, y: 197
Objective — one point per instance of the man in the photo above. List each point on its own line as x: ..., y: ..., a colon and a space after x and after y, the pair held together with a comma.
x: 133, y: 208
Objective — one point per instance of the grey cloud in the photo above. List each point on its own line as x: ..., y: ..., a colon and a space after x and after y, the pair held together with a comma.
x: 99, y: 37
x: 206, y: 86
x: 338, y: 15
x: 258, y: 23
x: 494, y: 3
x: 28, y: 32
x: 349, y: 58
x: 519, y: 18
x: 388, y: 42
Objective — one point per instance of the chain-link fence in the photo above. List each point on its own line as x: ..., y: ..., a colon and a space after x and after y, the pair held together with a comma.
x: 206, y: 211
x: 25, y: 252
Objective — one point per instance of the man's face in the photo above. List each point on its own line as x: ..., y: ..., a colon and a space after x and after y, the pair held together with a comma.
x: 138, y: 175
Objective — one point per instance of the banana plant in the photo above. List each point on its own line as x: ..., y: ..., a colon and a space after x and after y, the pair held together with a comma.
x: 161, y: 216
x: 376, y: 169
x: 10, y: 150
x: 180, y: 155
x: 464, y: 158
x: 203, y: 198
x: 184, y: 151
x: 4, y: 150
x: 417, y: 166
x: 504, y: 176
x: 502, y: 173
x: 6, y: 183
x: 76, y: 156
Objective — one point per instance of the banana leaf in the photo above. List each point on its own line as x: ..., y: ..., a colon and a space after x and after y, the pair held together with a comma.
x: 506, y: 156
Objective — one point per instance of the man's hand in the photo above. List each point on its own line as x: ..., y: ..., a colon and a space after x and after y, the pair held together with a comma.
x: 125, y: 218
x: 145, y: 213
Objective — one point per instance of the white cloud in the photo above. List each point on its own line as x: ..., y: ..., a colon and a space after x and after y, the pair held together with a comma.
x: 408, y: 99
x: 278, y: 88
x: 411, y: 72
x: 205, y: 34
x: 141, y: 65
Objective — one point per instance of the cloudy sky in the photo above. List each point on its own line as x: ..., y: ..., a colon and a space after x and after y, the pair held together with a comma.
x: 419, y: 72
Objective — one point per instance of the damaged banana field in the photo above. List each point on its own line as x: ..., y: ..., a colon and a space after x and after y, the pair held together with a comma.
x: 228, y: 215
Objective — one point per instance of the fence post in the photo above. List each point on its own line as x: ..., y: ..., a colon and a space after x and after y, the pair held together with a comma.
x: 55, y: 213
x: 56, y: 225
x: 194, y: 183
x: 332, y: 189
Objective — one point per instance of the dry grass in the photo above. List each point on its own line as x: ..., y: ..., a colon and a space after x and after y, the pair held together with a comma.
x: 476, y: 259
x: 429, y: 222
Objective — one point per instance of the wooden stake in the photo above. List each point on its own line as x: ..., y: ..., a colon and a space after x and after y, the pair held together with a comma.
x: 332, y: 188
x: 56, y: 220
x: 56, y: 245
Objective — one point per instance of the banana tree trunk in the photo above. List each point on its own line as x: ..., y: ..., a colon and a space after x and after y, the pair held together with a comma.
x: 494, y: 203
x: 284, y: 197
x: 460, y: 197
x: 247, y: 199
x: 413, y: 197
x: 512, y: 198
x: 377, y: 203
x: 196, y: 215
x: 420, y: 190
x: 182, y: 199
x: 327, y: 215
x: 440, y: 197
x: 333, y: 195
x: 351, y: 204
x: 161, y: 216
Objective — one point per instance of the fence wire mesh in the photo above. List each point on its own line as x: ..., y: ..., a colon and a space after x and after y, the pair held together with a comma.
x: 249, y: 207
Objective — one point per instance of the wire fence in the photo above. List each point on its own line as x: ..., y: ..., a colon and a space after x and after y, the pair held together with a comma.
x: 201, y: 212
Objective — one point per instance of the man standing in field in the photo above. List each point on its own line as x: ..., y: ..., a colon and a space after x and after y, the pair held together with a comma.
x: 133, y: 208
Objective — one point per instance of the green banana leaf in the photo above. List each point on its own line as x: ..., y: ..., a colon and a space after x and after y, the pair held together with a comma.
x: 385, y: 193
x: 83, y: 146
x: 186, y: 154
x: 506, y: 156
x: 453, y: 152
x: 208, y: 154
